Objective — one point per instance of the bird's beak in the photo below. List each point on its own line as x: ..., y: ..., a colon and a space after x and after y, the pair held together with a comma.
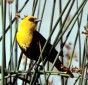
x: 37, y: 20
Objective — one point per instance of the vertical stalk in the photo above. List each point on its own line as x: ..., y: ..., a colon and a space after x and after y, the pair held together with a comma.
x: 61, y: 44
x: 83, y: 63
x: 10, y: 19
x: 3, y: 39
x: 16, y: 26
x: 34, y: 7
x: 24, y: 83
x: 79, y: 24
x: 2, y: 8
x: 79, y: 38
x: 42, y: 14
x: 60, y: 10
x: 38, y: 12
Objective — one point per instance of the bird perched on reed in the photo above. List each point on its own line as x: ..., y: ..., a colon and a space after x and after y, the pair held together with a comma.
x: 28, y: 39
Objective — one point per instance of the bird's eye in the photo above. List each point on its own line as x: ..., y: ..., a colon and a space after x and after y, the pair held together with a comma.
x: 31, y: 19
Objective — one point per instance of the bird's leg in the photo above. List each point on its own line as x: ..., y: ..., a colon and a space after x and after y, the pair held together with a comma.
x: 31, y: 65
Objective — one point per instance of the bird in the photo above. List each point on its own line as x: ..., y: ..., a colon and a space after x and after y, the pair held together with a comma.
x: 28, y: 39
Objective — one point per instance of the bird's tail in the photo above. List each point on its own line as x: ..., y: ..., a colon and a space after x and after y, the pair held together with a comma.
x: 58, y: 63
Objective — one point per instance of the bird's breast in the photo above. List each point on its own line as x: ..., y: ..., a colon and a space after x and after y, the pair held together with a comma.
x: 24, y: 39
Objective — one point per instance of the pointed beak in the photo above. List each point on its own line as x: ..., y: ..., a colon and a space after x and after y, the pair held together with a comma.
x: 37, y: 20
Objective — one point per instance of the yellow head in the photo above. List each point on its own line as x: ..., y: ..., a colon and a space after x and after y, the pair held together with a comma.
x: 28, y: 24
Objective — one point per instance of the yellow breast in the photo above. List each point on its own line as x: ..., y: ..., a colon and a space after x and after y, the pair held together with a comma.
x: 24, y: 39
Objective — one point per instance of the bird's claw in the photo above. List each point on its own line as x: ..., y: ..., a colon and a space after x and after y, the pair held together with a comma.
x: 67, y: 71
x: 38, y: 67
